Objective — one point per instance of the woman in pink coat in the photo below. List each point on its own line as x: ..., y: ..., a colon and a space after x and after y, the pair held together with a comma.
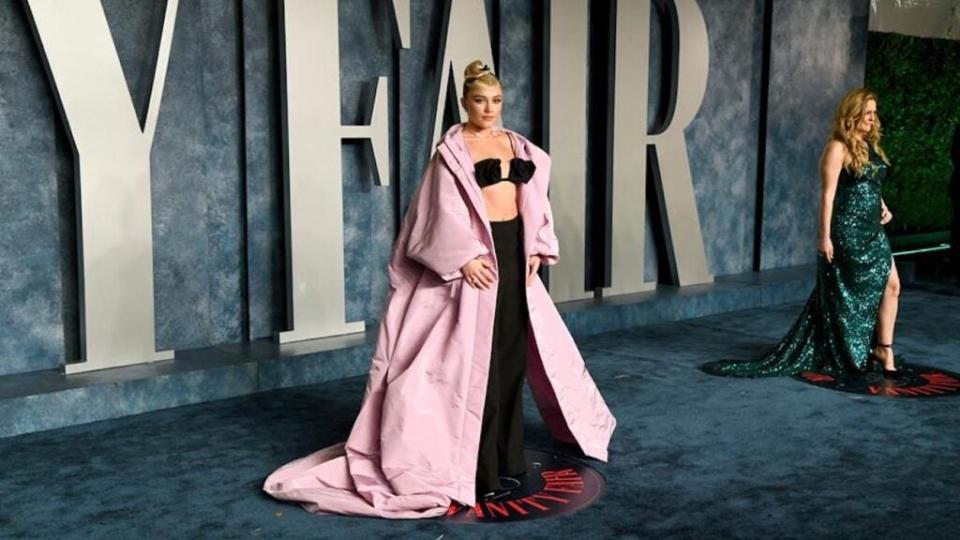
x: 465, y: 318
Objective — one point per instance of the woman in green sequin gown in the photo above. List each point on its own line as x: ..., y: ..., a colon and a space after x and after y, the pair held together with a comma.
x: 854, y: 304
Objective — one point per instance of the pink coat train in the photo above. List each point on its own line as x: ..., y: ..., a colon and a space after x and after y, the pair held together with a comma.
x: 414, y: 445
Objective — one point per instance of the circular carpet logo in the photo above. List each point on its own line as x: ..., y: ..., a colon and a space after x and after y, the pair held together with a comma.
x: 916, y: 381
x: 553, y: 485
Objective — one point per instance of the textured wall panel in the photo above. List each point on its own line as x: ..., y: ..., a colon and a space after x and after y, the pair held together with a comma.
x: 266, y: 276
x: 197, y: 164
x: 38, y: 302
x: 722, y: 139
x: 818, y: 54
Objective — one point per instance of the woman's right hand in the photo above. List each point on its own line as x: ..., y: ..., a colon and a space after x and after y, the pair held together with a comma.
x: 826, y: 248
x: 478, y: 273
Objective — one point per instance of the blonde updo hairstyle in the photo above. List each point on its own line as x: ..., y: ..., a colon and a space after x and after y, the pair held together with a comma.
x: 478, y: 74
x: 848, y: 116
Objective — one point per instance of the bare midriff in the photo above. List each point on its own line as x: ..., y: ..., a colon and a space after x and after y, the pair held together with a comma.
x: 501, y: 201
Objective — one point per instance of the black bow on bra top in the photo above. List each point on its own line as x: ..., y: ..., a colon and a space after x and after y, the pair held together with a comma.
x: 488, y: 171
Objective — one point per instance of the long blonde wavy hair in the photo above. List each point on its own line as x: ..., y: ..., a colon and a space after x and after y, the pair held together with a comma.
x: 478, y: 74
x: 849, y: 113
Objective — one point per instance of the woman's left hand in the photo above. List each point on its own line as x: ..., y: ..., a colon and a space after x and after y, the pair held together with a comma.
x: 533, y: 264
x: 885, y: 215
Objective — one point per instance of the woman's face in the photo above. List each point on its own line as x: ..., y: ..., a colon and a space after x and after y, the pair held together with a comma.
x: 869, y: 118
x: 483, y: 105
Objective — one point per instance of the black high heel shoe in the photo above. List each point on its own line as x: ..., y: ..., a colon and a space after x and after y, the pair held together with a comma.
x: 494, y: 495
x: 876, y: 362
x: 508, y: 483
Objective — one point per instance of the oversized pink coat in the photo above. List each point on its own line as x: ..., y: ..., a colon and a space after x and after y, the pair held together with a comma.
x: 414, y: 445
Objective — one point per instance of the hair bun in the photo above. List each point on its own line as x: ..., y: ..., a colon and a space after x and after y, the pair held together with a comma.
x: 476, y: 69
x: 478, y: 73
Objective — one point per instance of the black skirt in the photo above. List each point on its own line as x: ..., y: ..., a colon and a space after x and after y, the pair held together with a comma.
x: 501, y: 437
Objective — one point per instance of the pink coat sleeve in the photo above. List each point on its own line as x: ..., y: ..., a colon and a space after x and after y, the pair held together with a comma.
x: 441, y: 236
x: 545, y: 244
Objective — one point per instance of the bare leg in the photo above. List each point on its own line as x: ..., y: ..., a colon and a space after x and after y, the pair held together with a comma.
x: 887, y: 318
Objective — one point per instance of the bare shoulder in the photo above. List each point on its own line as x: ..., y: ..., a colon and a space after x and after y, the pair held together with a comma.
x: 834, y: 153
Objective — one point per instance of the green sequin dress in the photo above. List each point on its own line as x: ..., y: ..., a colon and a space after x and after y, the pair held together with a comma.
x: 834, y: 332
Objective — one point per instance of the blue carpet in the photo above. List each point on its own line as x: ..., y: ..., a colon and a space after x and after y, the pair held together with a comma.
x: 694, y: 456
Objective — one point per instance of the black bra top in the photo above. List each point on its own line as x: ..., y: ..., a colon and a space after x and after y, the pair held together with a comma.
x: 488, y: 171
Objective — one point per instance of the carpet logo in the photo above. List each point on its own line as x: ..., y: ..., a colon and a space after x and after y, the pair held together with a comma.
x: 553, y: 485
x: 916, y: 381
